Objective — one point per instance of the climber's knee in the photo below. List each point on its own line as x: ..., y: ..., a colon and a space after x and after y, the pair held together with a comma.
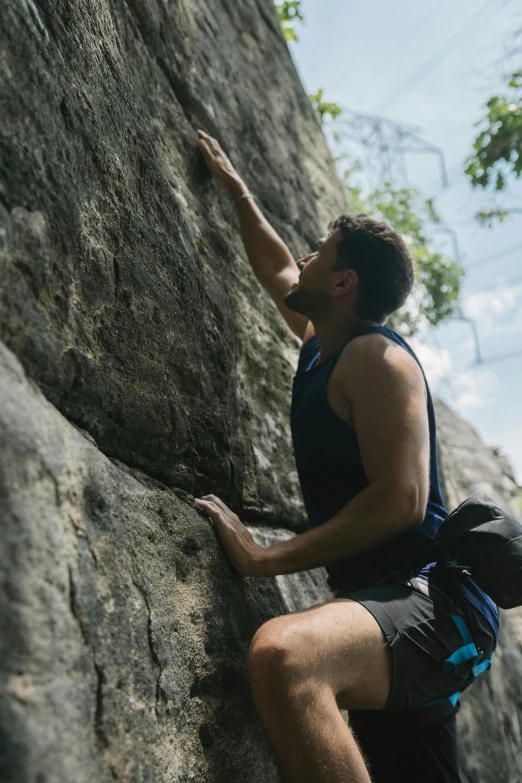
x: 337, y: 646
x: 278, y: 654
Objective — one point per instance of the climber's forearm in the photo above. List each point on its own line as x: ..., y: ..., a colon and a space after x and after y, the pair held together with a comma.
x: 375, y: 514
x: 265, y: 249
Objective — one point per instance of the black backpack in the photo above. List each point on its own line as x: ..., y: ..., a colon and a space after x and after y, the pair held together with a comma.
x: 486, y: 539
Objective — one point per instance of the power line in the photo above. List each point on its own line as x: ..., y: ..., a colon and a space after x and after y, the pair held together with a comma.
x: 444, y: 228
x: 511, y: 281
x: 454, y: 43
x: 460, y: 316
x: 446, y: 378
x: 400, y: 48
x: 493, y: 257
x: 501, y: 357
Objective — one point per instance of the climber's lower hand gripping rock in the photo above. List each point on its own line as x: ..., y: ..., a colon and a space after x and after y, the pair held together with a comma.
x: 387, y: 647
x: 237, y: 540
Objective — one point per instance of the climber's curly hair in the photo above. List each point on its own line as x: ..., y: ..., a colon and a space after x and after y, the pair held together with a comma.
x: 382, y: 261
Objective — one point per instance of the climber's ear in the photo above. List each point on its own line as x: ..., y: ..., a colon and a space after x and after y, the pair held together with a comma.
x: 345, y: 282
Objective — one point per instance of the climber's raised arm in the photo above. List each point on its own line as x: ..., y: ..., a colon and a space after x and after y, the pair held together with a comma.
x: 270, y: 258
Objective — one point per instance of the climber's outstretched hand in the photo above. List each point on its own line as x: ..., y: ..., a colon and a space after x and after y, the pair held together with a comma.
x: 237, y: 540
x: 218, y: 163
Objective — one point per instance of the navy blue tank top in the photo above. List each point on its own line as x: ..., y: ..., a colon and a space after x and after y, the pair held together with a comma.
x: 331, y: 473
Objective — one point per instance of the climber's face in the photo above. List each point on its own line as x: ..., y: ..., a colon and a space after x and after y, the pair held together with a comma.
x: 320, y: 287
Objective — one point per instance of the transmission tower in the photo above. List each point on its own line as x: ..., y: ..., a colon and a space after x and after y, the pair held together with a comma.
x: 386, y: 145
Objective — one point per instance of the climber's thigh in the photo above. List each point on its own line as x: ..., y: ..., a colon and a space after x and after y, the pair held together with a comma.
x: 338, y: 644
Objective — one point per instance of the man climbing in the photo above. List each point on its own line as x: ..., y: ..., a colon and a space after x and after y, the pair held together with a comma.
x: 391, y: 646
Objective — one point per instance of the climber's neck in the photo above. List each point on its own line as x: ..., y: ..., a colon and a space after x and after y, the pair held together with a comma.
x: 333, y: 336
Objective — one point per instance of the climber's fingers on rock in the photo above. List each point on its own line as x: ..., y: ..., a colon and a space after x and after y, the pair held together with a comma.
x: 234, y: 535
x: 234, y: 527
x: 236, y: 539
x: 207, y: 505
x: 216, y: 512
x: 210, y: 141
x: 209, y: 145
x: 216, y: 160
x: 212, y: 148
x: 205, y: 149
x: 224, y: 517
x: 219, y: 503
x: 221, y: 514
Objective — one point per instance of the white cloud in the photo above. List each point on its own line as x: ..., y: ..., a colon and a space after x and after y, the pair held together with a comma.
x: 465, y: 390
x: 498, y: 310
x: 436, y: 362
x: 475, y: 389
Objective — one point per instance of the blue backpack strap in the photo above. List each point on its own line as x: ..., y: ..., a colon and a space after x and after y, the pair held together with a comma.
x: 468, y: 652
x: 465, y: 653
x: 453, y: 699
x: 477, y: 670
x: 463, y: 628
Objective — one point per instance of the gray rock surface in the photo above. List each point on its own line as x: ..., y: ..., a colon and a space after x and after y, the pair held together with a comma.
x: 124, y: 630
x: 150, y: 365
x: 125, y: 289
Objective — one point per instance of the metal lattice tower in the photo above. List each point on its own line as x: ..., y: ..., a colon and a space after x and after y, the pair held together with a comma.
x: 386, y: 145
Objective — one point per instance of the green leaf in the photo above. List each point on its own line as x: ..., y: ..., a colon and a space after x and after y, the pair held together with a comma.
x: 289, y: 12
x: 324, y: 108
x: 498, y: 145
x: 488, y: 217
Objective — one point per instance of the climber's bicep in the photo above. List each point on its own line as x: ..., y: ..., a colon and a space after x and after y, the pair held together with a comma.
x: 278, y: 285
x: 387, y: 395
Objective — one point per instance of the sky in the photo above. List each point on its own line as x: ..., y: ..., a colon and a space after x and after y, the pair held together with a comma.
x: 432, y: 65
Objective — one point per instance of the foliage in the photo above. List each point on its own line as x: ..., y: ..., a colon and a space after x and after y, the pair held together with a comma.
x: 487, y: 217
x: 438, y: 278
x: 324, y: 108
x: 498, y: 147
x: 289, y: 12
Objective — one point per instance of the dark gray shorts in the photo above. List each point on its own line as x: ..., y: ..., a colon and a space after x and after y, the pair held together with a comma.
x: 415, y: 620
x: 405, y: 741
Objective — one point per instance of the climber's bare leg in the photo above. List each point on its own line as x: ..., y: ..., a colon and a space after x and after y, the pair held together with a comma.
x: 303, y: 667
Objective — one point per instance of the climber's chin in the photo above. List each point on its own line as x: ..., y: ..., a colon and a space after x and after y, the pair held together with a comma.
x: 309, y: 303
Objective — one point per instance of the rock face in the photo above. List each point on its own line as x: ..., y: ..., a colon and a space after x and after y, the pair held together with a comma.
x: 124, y: 630
x: 142, y: 363
x: 121, y: 661
x: 125, y: 289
